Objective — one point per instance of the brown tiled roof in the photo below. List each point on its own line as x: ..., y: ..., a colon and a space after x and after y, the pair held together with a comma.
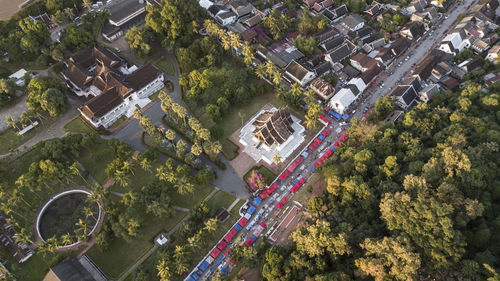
x: 248, y: 35
x: 364, y: 60
x: 274, y: 127
x: 400, y: 45
x: 424, y: 69
x: 78, y: 75
x: 142, y: 77
x: 368, y: 75
x: 102, y: 104
x: 296, y: 70
x: 251, y: 22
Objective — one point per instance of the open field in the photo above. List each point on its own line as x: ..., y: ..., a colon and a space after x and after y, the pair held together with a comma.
x: 78, y: 125
x: 165, y: 65
x: 9, y: 7
x: 96, y: 160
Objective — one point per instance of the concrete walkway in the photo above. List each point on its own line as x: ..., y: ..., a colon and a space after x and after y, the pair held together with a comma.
x: 233, y: 204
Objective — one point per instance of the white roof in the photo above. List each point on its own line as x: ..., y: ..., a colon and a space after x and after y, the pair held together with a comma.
x: 18, y: 74
x: 206, y: 4
x: 359, y: 83
x: 454, y: 39
x: 344, y: 98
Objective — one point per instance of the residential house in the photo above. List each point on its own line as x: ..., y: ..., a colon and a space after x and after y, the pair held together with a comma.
x: 457, y: 72
x: 471, y: 64
x: 491, y: 38
x: 373, y: 9
x: 431, y: 13
x: 325, y: 35
x: 415, y: 82
x: 441, y: 70
x: 449, y: 83
x: 455, y: 42
x: 297, y: 73
x: 492, y: 55
x: 253, y: 21
x: 491, y: 78
x: 358, y: 83
x: 427, y: 93
x: 338, y: 54
x: 350, y: 72
x: 405, y: 96
x: 332, y: 44
x: 415, y: 6
x: 361, y: 33
x: 241, y: 7
x: 20, y: 251
x: 225, y: 17
x: 424, y: 69
x: 323, y: 68
x: 394, y: 116
x: 114, y: 89
x: 413, y: 31
x: 321, y: 5
x: 385, y: 56
x: 310, y: 3
x: 371, y: 73
x: 123, y: 16
x: 324, y: 89
x: 18, y: 77
x: 399, y: 46
x: 264, y: 54
x: 372, y: 45
x: 286, y: 51
x: 353, y: 22
x: 249, y: 35
x: 362, y: 62
x: 480, y: 46
x: 342, y: 100
x: 214, y: 10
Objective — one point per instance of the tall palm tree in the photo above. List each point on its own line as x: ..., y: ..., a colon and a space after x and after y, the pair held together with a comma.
x: 121, y: 177
x: 129, y: 166
x: 73, y: 169
x: 10, y: 120
x: 184, y: 187
x: 66, y: 239
x: 309, y: 96
x: 7, y: 208
x: 260, y: 71
x: 145, y: 164
x: 211, y: 224
x: 296, y: 90
x: 163, y: 270
x: 87, y: 4
x: 226, y: 42
x: 235, y: 39
x: 137, y: 113
x: 23, y: 236
x: 276, y: 158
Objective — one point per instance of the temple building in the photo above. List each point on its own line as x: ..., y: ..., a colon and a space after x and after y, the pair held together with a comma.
x: 113, y: 87
x: 272, y: 132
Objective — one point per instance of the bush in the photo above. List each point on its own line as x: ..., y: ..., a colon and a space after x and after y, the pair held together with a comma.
x: 169, y: 86
x: 43, y: 60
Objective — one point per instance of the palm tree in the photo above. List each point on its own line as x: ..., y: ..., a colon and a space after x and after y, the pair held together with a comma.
x: 23, y: 236
x: 247, y: 51
x: 211, y: 224
x: 296, y: 91
x: 260, y: 71
x: 52, y: 244
x: 309, y: 96
x: 180, y: 260
x: 196, y: 149
x: 184, y: 187
x: 163, y: 270
x: 241, y: 114
x: 66, y: 239
x: 137, y: 113
x: 87, y: 4
x: 7, y: 208
x: 10, y: 120
x: 235, y: 39
x: 145, y: 164
x: 226, y: 42
x: 82, y: 230
x: 121, y: 177
x: 277, y: 158
x: 170, y: 135
x: 74, y: 170
x: 129, y: 166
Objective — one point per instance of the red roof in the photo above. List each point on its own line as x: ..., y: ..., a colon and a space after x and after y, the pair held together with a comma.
x: 263, y: 224
x: 302, y: 180
x: 232, y: 262
x: 284, y: 200
x: 326, y: 132
x: 284, y: 175
x: 230, y: 235
x: 279, y: 205
x: 263, y: 194
x: 243, y: 221
x: 222, y: 245
x: 249, y: 242
x: 215, y: 253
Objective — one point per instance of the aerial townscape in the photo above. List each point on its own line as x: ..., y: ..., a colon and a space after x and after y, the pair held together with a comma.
x: 274, y: 140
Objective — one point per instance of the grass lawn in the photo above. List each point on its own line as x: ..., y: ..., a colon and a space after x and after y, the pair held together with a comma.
x: 268, y: 175
x: 165, y: 65
x: 193, y: 199
x: 155, y: 95
x: 96, y: 159
x: 122, y: 254
x: 78, y: 125
x: 303, y: 195
x: 10, y: 140
x: 220, y: 199
x: 231, y: 121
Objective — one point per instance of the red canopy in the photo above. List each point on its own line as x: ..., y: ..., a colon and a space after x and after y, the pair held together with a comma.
x: 222, y: 245
x: 215, y: 253
x: 243, y: 221
x: 232, y: 262
x: 326, y: 132
x: 326, y: 108
x: 302, y: 180
x: 230, y: 235
x: 284, y: 200
x: 263, y: 194
x: 263, y: 224
x: 283, y: 176
x: 279, y: 206
x: 249, y: 242
x: 226, y: 253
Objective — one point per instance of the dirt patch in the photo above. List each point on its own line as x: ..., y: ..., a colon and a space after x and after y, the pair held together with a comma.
x: 318, y: 188
x: 286, y: 226
x: 250, y: 274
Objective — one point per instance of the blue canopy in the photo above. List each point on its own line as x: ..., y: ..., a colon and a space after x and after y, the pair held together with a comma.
x: 257, y: 200
x: 345, y: 116
x: 190, y: 279
x: 250, y: 210
x: 195, y: 276
x: 304, y: 154
x: 295, y: 181
x: 253, y: 237
x: 278, y: 182
x: 312, y: 169
x: 321, y: 137
x: 223, y: 270
x: 237, y: 227
x: 204, y: 266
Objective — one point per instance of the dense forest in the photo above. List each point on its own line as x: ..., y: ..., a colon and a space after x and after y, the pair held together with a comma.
x: 413, y: 200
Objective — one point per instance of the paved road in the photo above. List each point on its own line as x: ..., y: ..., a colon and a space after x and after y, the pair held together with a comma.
x: 15, y: 111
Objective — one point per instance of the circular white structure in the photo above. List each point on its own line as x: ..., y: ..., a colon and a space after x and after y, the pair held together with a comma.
x: 62, y: 194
